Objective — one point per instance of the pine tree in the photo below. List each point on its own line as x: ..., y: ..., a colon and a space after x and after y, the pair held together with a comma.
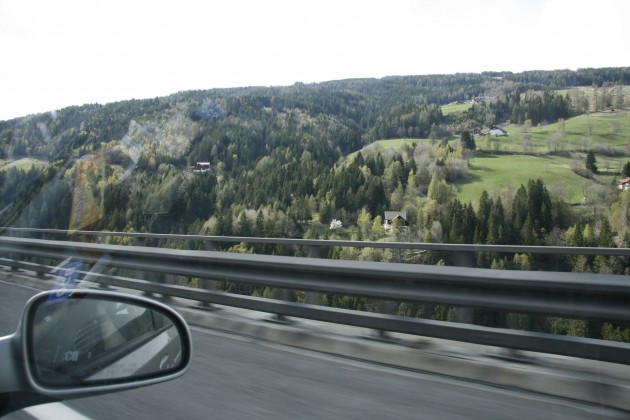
x: 520, y: 207
x: 497, y: 228
x: 469, y: 225
x: 467, y: 140
x: 591, y: 162
x: 606, y: 239
x: 483, y: 215
x: 259, y: 225
x: 244, y: 224
x: 326, y: 213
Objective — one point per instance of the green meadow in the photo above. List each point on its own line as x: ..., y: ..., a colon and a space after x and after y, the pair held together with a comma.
x: 23, y: 164
x: 607, y: 133
x: 499, y: 174
x: 548, y: 152
x: 455, y: 107
x: 381, y: 146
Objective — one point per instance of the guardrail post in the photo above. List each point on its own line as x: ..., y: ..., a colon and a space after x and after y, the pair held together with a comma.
x: 279, y: 294
x: 93, y: 270
x: 14, y: 257
x: 137, y: 241
x: 208, y: 284
x: 464, y: 259
x: 313, y: 298
x: 165, y: 279
x: 465, y: 315
x: 41, y: 261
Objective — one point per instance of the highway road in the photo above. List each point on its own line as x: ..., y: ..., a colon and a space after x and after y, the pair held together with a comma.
x: 234, y: 376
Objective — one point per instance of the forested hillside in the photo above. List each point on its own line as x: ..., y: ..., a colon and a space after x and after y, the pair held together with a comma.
x: 535, y: 158
x: 285, y: 161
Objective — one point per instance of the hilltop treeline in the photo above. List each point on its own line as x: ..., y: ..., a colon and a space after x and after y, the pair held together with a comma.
x: 562, y: 79
x: 363, y: 102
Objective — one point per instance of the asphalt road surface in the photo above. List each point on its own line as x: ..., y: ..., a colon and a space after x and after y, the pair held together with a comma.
x: 237, y: 377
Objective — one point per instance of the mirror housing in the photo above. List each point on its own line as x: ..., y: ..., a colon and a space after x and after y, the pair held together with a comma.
x: 75, y: 343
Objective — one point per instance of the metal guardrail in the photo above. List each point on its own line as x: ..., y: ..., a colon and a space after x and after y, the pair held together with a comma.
x: 570, y: 295
x: 320, y: 243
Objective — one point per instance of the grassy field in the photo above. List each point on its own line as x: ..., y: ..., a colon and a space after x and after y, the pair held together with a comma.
x: 504, y: 163
x: 394, y: 145
x: 551, y: 153
x: 455, y: 107
x: 588, y: 91
x: 499, y: 174
x: 24, y: 164
x: 607, y: 129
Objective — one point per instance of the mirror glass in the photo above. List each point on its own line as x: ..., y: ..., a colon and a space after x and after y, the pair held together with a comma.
x: 78, y: 340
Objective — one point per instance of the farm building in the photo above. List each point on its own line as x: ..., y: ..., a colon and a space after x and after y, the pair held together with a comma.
x: 497, y: 132
x: 201, y: 167
x: 390, y: 216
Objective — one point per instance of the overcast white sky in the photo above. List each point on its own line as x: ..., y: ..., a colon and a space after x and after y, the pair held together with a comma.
x: 56, y: 53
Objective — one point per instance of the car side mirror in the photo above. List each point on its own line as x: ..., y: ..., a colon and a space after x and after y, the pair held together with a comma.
x: 74, y: 343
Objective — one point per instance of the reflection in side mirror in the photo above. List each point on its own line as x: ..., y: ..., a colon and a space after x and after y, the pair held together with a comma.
x: 86, y: 339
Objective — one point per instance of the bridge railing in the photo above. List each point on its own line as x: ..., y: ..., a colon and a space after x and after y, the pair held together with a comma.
x: 462, y: 255
x: 210, y: 241
x: 596, y: 297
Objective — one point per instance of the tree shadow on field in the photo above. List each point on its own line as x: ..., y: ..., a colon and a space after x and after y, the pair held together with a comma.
x: 472, y: 178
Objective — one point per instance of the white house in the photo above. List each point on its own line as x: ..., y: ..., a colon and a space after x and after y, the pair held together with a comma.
x: 497, y: 132
x: 335, y: 224
x: 390, y: 216
x: 624, y: 184
x: 201, y: 167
